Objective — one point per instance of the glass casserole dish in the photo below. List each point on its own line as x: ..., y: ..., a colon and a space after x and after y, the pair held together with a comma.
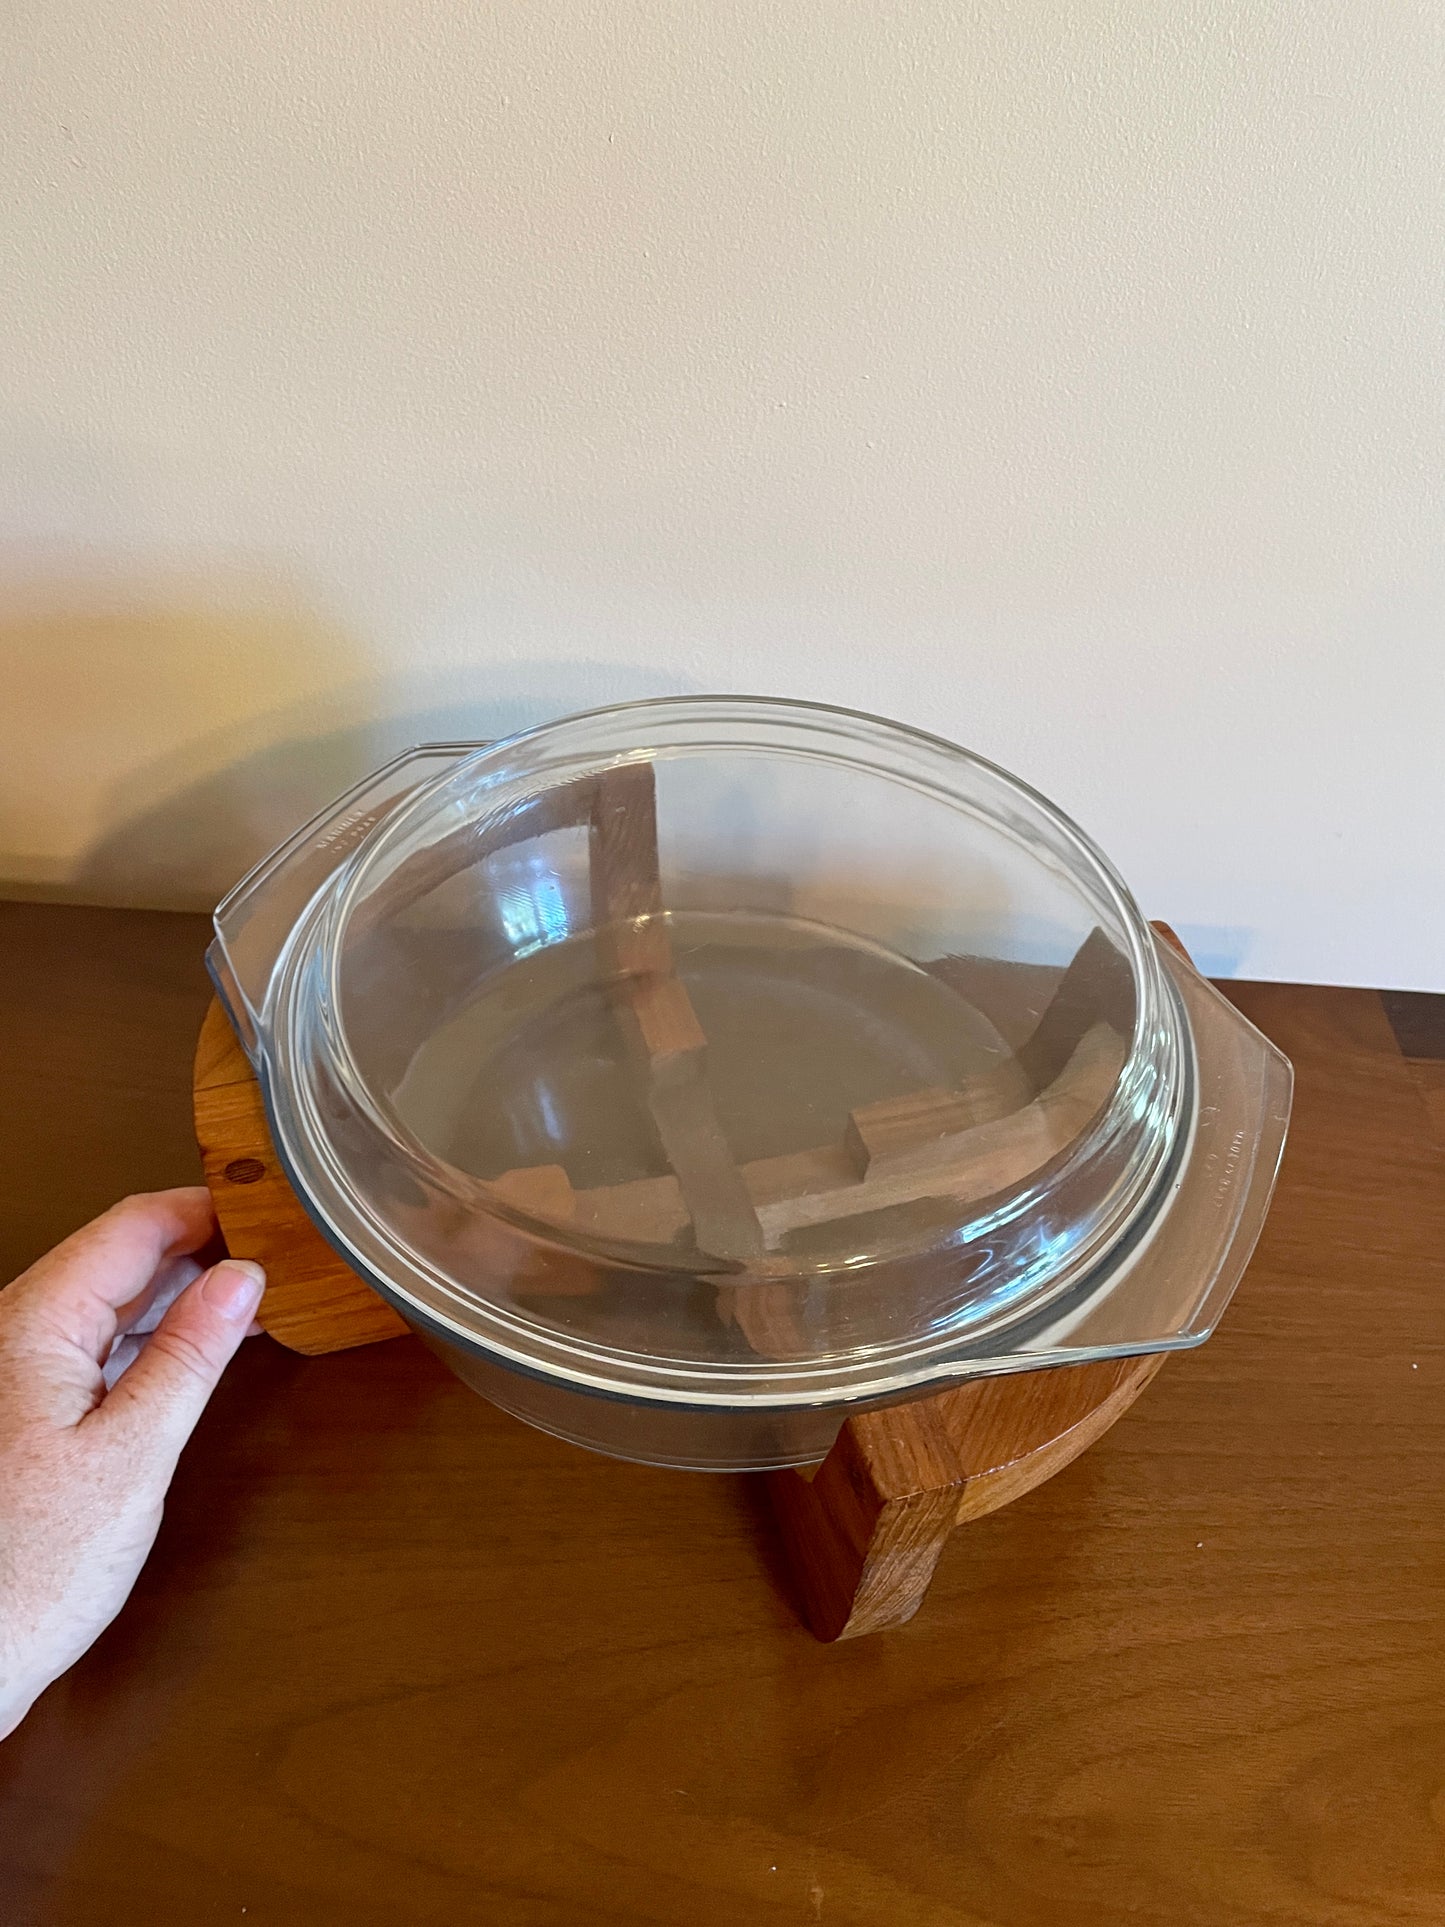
x: 691, y: 1073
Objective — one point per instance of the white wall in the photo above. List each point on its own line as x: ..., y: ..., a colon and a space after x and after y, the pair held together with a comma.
x: 1067, y: 378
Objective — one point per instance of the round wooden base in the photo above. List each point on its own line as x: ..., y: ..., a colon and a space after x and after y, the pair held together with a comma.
x: 862, y: 1531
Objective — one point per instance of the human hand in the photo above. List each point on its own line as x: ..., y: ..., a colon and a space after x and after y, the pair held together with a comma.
x: 95, y: 1406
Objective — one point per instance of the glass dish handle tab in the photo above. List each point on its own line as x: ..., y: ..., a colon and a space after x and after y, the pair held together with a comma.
x: 255, y: 920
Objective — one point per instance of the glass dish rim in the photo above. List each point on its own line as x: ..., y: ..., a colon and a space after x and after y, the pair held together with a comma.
x: 840, y: 725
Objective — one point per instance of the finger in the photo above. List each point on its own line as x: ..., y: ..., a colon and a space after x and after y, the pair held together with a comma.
x: 158, y: 1400
x: 130, y: 1346
x: 75, y: 1291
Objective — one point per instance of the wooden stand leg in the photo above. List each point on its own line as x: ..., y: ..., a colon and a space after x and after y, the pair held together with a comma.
x: 314, y: 1302
x: 864, y: 1532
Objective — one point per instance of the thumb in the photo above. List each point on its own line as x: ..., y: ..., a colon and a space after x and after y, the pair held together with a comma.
x: 166, y: 1389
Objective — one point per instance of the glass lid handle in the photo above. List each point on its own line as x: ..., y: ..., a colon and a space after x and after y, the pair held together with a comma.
x: 255, y: 920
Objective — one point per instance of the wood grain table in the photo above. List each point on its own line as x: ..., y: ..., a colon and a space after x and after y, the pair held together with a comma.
x: 397, y: 1658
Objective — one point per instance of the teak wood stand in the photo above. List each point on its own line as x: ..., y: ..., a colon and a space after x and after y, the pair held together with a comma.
x: 863, y: 1530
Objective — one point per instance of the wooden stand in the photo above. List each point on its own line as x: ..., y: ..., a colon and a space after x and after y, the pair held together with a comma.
x: 862, y: 1531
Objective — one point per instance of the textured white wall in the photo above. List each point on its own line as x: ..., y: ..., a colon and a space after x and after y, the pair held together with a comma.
x: 1066, y: 378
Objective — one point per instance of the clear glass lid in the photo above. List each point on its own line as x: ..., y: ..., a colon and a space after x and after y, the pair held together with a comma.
x: 722, y: 1049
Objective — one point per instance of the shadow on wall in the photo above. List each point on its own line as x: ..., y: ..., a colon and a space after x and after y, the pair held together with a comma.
x: 157, y: 739
x: 186, y: 849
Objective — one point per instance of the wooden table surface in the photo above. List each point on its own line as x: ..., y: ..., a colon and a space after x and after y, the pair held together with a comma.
x: 397, y: 1658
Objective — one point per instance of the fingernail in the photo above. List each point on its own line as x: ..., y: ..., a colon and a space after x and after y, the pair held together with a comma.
x: 234, y: 1287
